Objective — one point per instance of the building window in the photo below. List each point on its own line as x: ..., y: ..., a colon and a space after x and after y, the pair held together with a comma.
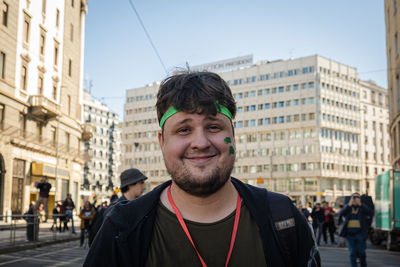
x: 39, y: 131
x: 69, y: 104
x: 67, y: 140
x: 70, y: 68
x: 1, y: 115
x: 71, y: 33
x: 396, y: 45
x: 72, y: 3
x: 53, y: 134
x: 22, y: 124
x: 40, y: 85
x: 25, y: 31
x: 57, y: 17
x: 24, y: 77
x: 54, y: 93
x: 42, y: 44
x: 56, y: 45
x: 2, y: 65
x: 5, y: 13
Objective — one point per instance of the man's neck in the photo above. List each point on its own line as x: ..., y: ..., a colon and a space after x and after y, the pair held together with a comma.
x: 203, y: 209
x: 129, y: 195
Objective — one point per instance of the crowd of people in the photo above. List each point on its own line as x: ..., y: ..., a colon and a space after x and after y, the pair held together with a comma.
x: 322, y: 218
x: 350, y: 223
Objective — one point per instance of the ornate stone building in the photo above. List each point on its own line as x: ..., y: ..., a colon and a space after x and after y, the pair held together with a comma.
x: 41, y: 130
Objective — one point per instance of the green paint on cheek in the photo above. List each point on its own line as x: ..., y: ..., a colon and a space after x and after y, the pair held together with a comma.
x: 231, y: 150
x: 227, y: 140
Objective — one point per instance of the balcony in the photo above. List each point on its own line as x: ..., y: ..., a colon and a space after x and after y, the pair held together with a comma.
x: 42, y: 108
x: 87, y: 131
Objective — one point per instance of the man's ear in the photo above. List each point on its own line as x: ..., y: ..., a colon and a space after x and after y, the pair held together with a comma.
x: 160, y: 139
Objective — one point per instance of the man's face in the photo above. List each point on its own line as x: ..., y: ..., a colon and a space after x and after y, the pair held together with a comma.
x: 199, y: 151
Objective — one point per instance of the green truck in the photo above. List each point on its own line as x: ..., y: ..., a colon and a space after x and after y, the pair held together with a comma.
x: 387, y: 210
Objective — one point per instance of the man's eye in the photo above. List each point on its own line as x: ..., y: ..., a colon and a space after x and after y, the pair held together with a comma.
x: 214, y: 128
x: 183, y: 131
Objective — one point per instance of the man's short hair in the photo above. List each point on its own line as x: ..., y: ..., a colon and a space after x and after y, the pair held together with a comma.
x: 190, y: 91
x: 125, y: 188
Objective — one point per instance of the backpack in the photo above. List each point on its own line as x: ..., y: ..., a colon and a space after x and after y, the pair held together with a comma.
x: 283, y: 217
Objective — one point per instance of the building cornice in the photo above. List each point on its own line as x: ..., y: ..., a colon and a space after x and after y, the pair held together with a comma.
x: 14, y: 98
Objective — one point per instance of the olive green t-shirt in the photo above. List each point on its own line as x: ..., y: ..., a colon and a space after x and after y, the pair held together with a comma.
x: 171, y: 247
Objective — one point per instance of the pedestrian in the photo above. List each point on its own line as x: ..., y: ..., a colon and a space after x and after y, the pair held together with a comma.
x: 342, y: 240
x: 32, y: 224
x: 132, y: 187
x: 329, y: 223
x: 69, y: 206
x: 304, y: 211
x: 86, y: 215
x: 113, y: 197
x: 63, y: 219
x: 318, y: 219
x: 203, y: 217
x: 44, y: 188
x: 355, y: 228
x: 55, y: 216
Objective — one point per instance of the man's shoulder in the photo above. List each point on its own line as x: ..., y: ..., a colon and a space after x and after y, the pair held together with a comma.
x: 125, y: 214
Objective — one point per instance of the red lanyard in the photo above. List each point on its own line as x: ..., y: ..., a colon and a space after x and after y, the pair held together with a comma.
x: 183, y: 225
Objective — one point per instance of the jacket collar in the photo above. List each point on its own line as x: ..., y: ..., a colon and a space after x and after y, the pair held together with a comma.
x: 121, y: 214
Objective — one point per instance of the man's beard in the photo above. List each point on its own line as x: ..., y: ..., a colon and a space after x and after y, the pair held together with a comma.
x: 203, y: 187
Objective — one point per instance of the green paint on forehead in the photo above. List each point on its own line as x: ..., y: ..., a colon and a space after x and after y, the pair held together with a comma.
x: 231, y: 150
x: 227, y: 140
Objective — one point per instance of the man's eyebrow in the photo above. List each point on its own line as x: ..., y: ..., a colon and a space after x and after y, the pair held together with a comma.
x: 182, y: 121
x: 213, y: 118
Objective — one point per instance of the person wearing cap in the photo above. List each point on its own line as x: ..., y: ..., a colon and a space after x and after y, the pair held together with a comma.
x: 203, y: 216
x: 132, y: 186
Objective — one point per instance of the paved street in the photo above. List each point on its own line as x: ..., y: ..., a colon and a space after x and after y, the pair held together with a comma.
x: 65, y: 254
x: 70, y: 254
x: 333, y: 256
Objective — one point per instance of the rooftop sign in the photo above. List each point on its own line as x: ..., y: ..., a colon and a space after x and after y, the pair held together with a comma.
x: 224, y: 65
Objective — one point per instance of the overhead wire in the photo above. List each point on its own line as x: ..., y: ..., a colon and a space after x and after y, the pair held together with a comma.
x: 148, y: 36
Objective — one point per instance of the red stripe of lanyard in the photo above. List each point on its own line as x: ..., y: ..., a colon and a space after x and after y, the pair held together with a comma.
x: 183, y: 225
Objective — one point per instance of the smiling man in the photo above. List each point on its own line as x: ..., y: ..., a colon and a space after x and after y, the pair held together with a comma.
x: 203, y: 217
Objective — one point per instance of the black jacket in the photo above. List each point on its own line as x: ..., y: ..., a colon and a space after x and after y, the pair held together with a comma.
x: 363, y: 212
x: 99, y: 218
x: 126, y: 233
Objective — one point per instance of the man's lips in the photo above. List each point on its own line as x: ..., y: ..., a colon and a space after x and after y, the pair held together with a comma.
x: 200, y: 159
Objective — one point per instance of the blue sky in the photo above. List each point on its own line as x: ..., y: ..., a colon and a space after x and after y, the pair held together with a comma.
x: 118, y: 56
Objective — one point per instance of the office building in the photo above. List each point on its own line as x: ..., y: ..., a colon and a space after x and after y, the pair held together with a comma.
x: 297, y: 129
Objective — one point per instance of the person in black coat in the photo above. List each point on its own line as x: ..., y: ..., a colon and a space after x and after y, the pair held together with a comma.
x: 318, y: 217
x: 355, y: 228
x: 32, y: 226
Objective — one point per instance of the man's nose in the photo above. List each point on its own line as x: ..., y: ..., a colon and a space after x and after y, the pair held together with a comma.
x: 200, y: 139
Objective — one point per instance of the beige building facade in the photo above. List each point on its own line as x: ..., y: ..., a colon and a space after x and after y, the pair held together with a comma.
x: 392, y: 18
x: 298, y: 128
x: 375, y: 149
x: 41, y: 130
